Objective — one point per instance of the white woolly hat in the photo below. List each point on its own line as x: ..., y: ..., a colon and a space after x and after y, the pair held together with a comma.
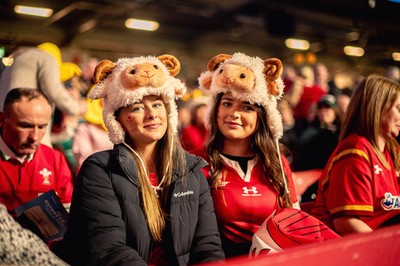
x: 130, y: 79
x: 263, y: 87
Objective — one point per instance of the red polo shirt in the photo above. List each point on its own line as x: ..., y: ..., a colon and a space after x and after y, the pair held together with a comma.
x: 22, y: 182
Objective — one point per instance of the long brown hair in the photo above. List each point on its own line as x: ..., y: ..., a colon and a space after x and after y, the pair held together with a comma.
x: 364, y: 113
x: 262, y: 143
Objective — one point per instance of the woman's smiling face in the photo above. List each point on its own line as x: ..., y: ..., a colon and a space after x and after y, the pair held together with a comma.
x: 146, y: 121
x: 237, y: 120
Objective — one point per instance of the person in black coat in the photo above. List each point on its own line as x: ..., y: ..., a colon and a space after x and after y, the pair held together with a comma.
x: 318, y: 141
x: 147, y: 200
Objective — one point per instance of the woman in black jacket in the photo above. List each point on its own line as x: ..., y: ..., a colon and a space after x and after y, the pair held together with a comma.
x: 147, y: 200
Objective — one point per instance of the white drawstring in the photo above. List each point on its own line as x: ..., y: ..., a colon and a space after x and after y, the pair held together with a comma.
x: 156, y: 188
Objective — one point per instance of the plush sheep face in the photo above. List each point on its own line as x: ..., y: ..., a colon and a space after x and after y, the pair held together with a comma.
x: 235, y: 77
x: 145, y: 74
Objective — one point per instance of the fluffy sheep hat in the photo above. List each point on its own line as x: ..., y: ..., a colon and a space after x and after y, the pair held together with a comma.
x: 130, y: 79
x: 249, y: 79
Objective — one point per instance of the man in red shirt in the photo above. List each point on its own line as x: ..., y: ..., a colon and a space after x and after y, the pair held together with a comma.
x: 28, y: 168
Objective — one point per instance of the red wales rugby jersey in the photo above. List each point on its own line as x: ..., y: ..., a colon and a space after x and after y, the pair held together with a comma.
x: 355, y: 183
x: 245, y: 200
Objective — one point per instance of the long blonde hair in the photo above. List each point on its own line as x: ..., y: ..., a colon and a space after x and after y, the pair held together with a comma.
x: 364, y: 113
x: 262, y: 143
x: 171, y: 157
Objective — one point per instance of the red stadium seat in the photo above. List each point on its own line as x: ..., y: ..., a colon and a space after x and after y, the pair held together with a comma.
x: 304, y: 179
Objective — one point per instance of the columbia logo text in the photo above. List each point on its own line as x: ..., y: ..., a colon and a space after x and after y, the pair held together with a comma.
x: 181, y: 194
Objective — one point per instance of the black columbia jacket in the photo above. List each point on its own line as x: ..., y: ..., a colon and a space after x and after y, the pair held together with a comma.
x: 107, y: 225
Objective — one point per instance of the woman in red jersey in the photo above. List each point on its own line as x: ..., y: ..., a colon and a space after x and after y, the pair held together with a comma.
x: 359, y: 188
x: 249, y: 177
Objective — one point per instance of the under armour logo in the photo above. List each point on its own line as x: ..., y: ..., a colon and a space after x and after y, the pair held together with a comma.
x: 46, y: 176
x: 247, y: 190
x: 378, y: 170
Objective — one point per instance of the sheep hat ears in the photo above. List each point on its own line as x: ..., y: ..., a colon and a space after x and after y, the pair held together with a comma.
x: 249, y: 79
x: 128, y: 80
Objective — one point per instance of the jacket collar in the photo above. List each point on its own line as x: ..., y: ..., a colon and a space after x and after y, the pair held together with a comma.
x: 128, y: 164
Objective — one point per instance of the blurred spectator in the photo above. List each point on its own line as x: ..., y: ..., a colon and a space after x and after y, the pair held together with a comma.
x: 393, y: 72
x: 342, y: 101
x: 183, y: 113
x: 289, y: 138
x: 196, y: 133
x: 289, y: 77
x: 185, y: 105
x: 320, y: 138
x: 293, y: 85
x: 29, y: 168
x: 39, y: 68
x: 318, y: 141
x: 324, y: 80
x: 87, y: 73
x: 91, y: 135
x: 64, y: 126
x: 310, y: 94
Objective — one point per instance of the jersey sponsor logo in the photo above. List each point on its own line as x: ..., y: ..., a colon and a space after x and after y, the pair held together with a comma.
x: 390, y: 202
x: 378, y: 170
x: 46, y: 176
x: 250, y: 191
x: 224, y: 183
x: 181, y: 194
